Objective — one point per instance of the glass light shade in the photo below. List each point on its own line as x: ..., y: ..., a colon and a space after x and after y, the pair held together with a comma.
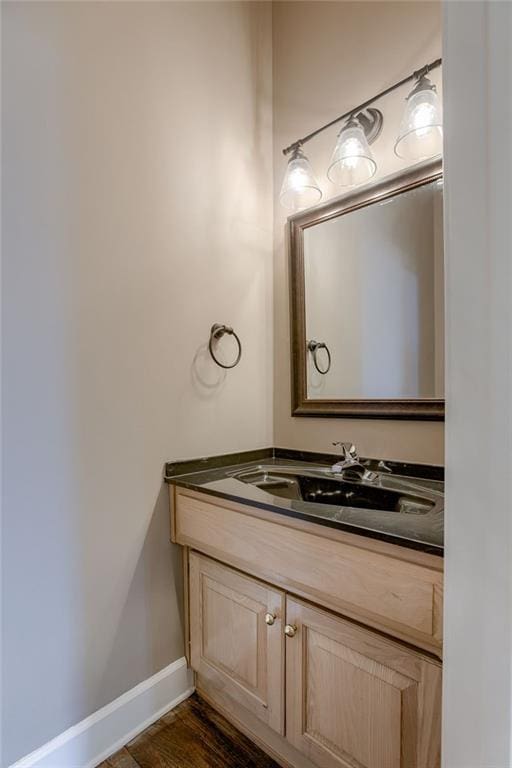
x: 352, y: 161
x: 300, y: 188
x: 421, y: 129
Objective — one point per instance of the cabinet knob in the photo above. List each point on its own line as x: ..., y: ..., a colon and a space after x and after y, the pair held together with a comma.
x: 269, y: 619
x: 290, y: 630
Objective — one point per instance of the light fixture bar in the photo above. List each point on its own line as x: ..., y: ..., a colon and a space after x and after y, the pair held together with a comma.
x: 415, y: 75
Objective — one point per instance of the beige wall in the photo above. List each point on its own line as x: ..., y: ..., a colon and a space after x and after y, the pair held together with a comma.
x: 329, y: 56
x: 137, y: 211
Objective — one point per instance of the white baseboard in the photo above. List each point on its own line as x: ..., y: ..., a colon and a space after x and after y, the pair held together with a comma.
x: 91, y: 741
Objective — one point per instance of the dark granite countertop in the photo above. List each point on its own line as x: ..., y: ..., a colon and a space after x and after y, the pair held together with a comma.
x: 214, y: 476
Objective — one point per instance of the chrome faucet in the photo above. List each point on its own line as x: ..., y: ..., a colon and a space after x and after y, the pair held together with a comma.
x: 349, y: 457
x: 350, y: 460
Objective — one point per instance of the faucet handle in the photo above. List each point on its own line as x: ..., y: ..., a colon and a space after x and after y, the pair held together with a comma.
x: 348, y: 450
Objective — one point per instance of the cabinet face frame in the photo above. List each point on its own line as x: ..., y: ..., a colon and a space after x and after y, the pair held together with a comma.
x: 231, y: 644
x: 396, y: 698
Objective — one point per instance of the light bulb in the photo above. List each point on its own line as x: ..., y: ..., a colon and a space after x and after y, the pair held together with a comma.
x: 298, y: 180
x: 421, y: 131
x: 352, y: 162
x: 422, y: 117
x: 353, y: 150
x: 300, y: 188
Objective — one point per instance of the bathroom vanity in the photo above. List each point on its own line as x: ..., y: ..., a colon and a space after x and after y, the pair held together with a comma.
x: 316, y: 626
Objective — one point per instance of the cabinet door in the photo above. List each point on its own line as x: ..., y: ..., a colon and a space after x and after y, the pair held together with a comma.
x: 236, y: 637
x: 358, y: 700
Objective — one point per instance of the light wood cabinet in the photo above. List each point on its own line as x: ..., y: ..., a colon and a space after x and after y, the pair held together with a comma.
x: 354, y: 698
x: 231, y: 644
x: 331, y: 691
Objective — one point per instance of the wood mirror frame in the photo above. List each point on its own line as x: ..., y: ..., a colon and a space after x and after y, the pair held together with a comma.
x: 385, y: 408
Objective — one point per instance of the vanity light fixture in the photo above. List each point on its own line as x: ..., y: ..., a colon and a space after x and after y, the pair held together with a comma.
x: 352, y: 163
x: 421, y: 129
x: 300, y: 188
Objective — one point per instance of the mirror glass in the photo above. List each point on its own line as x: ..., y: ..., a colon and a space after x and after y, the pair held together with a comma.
x: 373, y: 295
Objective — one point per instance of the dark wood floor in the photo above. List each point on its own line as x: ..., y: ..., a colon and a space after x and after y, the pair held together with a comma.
x: 191, y: 736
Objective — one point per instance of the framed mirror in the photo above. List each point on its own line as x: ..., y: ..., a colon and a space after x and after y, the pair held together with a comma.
x: 367, y: 301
